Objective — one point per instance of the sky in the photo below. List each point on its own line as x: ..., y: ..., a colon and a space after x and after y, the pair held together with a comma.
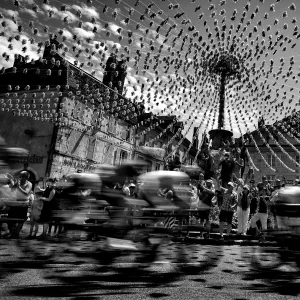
x: 168, y: 75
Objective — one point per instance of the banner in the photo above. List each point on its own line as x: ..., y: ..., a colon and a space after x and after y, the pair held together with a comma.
x: 158, y: 153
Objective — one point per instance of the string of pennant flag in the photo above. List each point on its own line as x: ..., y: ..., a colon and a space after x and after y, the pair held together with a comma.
x: 168, y: 62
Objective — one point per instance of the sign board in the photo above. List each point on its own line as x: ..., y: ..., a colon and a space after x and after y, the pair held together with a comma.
x: 78, y: 165
x: 157, y: 153
x: 30, y: 159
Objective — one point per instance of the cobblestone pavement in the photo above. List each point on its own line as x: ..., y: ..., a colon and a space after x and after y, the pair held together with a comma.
x: 80, y: 269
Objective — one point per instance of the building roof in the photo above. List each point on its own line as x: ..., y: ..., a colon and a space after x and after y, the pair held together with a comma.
x: 53, y: 70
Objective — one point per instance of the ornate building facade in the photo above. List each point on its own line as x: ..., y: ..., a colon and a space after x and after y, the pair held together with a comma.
x: 68, y: 120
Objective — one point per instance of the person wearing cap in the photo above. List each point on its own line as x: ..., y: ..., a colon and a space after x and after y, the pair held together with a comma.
x: 277, y: 185
x: 266, y: 185
x: 230, y: 200
x: 243, y: 209
x: 206, y: 194
x: 227, y: 166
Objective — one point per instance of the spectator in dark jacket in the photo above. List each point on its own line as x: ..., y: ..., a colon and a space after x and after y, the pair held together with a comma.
x: 262, y: 211
x: 227, y: 166
x: 46, y: 214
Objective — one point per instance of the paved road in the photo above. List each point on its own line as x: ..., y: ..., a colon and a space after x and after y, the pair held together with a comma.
x: 81, y: 270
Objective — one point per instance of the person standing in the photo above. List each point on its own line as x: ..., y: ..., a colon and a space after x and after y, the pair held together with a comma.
x: 46, y: 214
x: 201, y: 178
x: 253, y: 195
x: 227, y: 166
x: 206, y: 194
x: 238, y: 165
x: 266, y: 185
x: 243, y: 210
x: 244, y: 157
x: 276, y: 189
x: 230, y: 200
x: 250, y: 175
x: 36, y: 209
x: 262, y: 212
x: 194, y: 194
x: 19, y: 211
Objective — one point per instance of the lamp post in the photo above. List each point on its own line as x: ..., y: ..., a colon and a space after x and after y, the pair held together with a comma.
x: 222, y: 67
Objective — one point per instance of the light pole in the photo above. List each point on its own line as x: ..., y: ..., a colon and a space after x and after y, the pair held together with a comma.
x: 222, y: 67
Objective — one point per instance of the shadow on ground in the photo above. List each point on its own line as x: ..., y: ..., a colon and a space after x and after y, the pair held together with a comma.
x: 276, y: 268
x: 85, y: 270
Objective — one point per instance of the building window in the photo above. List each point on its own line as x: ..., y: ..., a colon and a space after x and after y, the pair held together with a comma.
x: 271, y: 160
x: 115, y: 157
x: 149, y: 165
x: 270, y: 177
x: 150, y: 144
x: 123, y: 156
x: 91, y: 148
x: 158, y: 144
x: 142, y: 139
x: 256, y: 158
x: 99, y: 151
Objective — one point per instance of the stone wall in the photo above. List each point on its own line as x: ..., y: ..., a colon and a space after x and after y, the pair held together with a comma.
x: 87, y: 149
x: 78, y: 147
x: 32, y: 135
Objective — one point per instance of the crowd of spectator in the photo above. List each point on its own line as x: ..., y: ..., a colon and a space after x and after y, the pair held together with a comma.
x: 23, y: 203
x: 250, y: 204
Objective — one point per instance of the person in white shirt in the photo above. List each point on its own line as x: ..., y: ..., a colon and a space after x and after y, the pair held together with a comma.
x: 35, y: 214
x: 243, y: 210
x: 22, y: 188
